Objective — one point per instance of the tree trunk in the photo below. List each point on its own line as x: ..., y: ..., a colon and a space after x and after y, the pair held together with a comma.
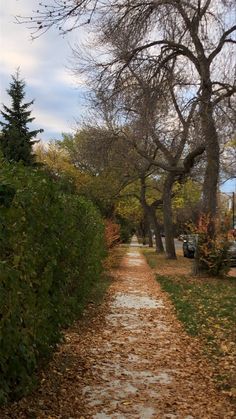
x: 150, y: 239
x: 142, y: 232
x: 210, y: 185
x: 149, y: 230
x: 167, y: 214
x: 157, y: 231
x: 148, y: 223
x: 145, y: 207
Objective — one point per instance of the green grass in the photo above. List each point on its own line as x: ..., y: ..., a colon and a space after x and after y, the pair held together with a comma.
x: 207, y: 309
x: 151, y: 259
x: 204, y: 306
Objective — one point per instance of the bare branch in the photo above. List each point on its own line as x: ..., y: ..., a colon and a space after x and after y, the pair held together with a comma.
x: 221, y: 43
x: 178, y: 48
x: 230, y: 92
x: 190, y: 159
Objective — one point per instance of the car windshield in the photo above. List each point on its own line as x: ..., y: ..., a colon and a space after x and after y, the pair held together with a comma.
x: 191, y: 238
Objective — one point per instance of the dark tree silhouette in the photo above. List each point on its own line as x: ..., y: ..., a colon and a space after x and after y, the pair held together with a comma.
x: 16, y: 139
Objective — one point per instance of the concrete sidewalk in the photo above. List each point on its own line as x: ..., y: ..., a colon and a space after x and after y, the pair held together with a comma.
x: 144, y: 365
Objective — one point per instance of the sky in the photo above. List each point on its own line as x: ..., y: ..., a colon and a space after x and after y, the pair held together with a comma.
x: 44, y: 66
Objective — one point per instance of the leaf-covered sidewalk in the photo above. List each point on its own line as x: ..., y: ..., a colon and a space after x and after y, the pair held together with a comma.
x: 130, y: 360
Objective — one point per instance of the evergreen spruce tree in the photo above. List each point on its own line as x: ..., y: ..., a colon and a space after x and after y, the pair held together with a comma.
x: 16, y: 139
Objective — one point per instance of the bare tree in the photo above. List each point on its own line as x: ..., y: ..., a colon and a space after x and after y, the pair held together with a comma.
x: 150, y: 209
x: 183, y: 38
x: 160, y: 128
x: 187, y: 45
x: 199, y: 35
x: 226, y: 125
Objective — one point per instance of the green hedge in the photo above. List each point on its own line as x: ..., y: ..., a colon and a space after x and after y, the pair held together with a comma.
x: 51, y: 251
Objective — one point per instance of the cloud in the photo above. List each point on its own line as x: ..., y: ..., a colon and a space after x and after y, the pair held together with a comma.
x: 11, y: 60
x: 43, y: 65
x: 17, y: 49
x: 63, y: 76
x: 66, y: 77
x: 51, y: 123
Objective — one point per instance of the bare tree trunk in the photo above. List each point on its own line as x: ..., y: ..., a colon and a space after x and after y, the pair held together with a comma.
x: 147, y: 230
x: 142, y: 231
x: 167, y: 214
x: 150, y: 212
x: 150, y: 239
x: 148, y: 223
x: 157, y: 231
x: 210, y: 185
x: 145, y: 210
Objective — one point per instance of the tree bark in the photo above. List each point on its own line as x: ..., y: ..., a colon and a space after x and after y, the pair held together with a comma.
x: 157, y: 231
x: 210, y: 185
x: 147, y: 229
x: 167, y: 214
x: 142, y: 231
x: 150, y: 211
x: 148, y: 226
x: 150, y: 239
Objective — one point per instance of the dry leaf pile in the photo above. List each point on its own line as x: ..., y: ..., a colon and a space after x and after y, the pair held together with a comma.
x: 129, y: 359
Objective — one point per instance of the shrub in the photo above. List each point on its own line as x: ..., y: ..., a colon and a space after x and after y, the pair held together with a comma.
x: 127, y: 229
x: 51, y: 253
x: 112, y: 233
x: 211, y: 255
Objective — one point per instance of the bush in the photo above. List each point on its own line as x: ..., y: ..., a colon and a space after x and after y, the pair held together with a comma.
x: 127, y: 229
x: 51, y: 246
x: 112, y: 233
x: 211, y: 255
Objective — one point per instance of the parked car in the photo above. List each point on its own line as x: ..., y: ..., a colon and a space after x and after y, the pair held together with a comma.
x: 183, y: 237
x: 232, y: 253
x: 189, y: 245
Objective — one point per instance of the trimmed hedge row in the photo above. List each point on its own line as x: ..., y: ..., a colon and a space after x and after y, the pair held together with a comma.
x: 51, y: 251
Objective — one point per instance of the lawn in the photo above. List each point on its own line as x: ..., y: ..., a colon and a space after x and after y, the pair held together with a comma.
x: 207, y: 309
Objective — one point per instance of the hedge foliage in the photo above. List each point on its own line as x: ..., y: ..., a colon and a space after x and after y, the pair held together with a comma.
x: 51, y: 251
x: 212, y: 254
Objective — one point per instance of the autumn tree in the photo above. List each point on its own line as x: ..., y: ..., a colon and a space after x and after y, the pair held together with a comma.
x: 100, y: 154
x: 186, y: 204
x: 194, y: 40
x: 150, y: 205
x: 56, y: 161
x: 189, y: 44
x: 161, y: 131
x: 198, y: 36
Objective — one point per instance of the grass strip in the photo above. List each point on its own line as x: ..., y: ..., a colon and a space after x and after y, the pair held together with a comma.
x: 207, y: 309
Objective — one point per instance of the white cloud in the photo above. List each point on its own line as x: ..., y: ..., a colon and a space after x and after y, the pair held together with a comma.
x: 11, y: 60
x: 17, y: 49
x: 50, y: 122
x: 64, y: 76
x: 43, y: 65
